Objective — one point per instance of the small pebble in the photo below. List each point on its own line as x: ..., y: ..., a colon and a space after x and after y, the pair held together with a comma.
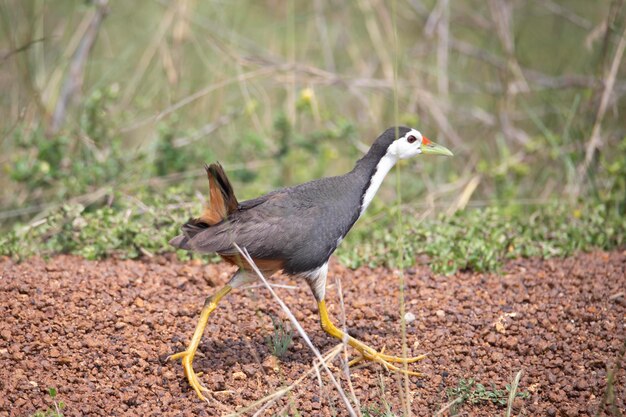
x: 238, y: 376
x: 409, y: 317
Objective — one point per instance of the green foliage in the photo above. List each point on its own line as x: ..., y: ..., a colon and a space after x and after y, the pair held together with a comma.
x: 95, y: 119
x: 174, y: 155
x: 305, y: 156
x: 33, y: 169
x: 472, y: 392
x: 613, y: 193
x: 482, y: 239
x: 473, y: 239
x: 376, y: 412
x: 61, y: 166
x: 56, y: 410
x: 127, y: 231
x: 280, y: 340
x: 168, y: 158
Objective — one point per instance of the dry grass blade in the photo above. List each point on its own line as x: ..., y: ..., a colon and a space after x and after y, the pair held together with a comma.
x: 299, y: 328
x: 609, y: 393
x: 513, y: 393
x: 449, y: 405
x: 75, y: 73
x: 566, y: 13
x: 466, y: 194
x: 379, y: 43
x: 147, y: 57
x: 6, y: 54
x: 595, y: 141
x: 502, y: 16
x: 346, y: 363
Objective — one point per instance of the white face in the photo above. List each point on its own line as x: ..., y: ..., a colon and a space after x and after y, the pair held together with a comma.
x: 408, y: 145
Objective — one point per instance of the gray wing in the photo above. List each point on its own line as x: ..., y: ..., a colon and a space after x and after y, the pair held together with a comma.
x: 300, y: 225
x: 273, y: 228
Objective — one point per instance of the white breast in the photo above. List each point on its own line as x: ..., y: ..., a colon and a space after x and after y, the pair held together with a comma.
x: 384, y: 165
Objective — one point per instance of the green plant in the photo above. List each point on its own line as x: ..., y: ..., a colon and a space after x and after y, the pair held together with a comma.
x: 472, y: 392
x: 280, y: 340
x: 377, y: 412
x: 54, y: 168
x: 473, y: 239
x: 482, y: 239
x: 57, y: 406
x: 128, y: 232
x: 613, y: 194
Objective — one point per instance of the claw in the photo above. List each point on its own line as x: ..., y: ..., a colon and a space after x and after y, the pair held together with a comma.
x: 356, y: 360
x: 386, y: 360
x: 398, y: 359
x: 366, y: 352
x: 192, y: 376
x: 175, y: 356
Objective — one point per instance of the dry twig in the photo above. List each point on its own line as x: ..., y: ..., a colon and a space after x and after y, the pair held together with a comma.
x: 75, y: 74
x: 595, y: 141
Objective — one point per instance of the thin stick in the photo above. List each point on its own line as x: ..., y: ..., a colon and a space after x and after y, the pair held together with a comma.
x: 443, y: 32
x: 450, y: 404
x: 595, y: 142
x: 346, y: 366
x: 7, y: 54
x: 147, y: 56
x: 298, y: 327
x: 399, y: 229
x: 610, y: 381
x: 513, y: 393
x: 74, y: 78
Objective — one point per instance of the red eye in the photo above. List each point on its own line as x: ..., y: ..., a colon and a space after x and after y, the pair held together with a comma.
x: 411, y: 139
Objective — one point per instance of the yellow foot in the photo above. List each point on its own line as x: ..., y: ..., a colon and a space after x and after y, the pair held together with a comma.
x: 367, y: 353
x: 192, y: 376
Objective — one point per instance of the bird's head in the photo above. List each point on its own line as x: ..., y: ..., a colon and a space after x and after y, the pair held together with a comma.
x: 410, y: 142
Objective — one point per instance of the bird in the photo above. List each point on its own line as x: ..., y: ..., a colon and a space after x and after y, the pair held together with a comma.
x: 294, y: 230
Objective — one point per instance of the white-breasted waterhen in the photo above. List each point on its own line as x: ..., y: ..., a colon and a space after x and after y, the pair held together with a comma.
x: 294, y: 230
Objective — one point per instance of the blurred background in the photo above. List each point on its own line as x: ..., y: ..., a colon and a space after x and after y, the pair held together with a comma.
x: 115, y: 106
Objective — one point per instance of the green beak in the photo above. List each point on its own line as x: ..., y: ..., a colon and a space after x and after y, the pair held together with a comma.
x: 431, y: 148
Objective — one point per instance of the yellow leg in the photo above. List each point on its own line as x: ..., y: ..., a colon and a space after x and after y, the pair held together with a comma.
x: 187, y: 355
x: 367, y: 352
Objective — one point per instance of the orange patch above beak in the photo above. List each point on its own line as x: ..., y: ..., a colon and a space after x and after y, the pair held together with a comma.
x: 425, y: 141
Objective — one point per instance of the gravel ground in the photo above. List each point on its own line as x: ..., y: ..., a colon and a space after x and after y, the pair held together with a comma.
x: 100, y: 332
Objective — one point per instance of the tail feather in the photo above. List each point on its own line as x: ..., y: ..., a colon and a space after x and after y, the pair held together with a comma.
x: 222, y: 200
x: 189, y: 229
x: 193, y: 227
x: 181, y: 242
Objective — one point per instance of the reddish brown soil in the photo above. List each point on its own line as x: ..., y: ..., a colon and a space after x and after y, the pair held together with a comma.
x: 100, y: 333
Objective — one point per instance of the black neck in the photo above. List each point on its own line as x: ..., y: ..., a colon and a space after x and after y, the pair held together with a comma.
x: 366, y: 166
